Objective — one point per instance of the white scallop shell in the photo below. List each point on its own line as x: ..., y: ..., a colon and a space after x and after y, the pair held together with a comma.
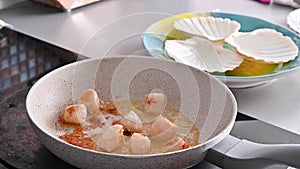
x: 202, y: 54
x: 209, y: 27
x: 265, y: 45
x: 293, y: 20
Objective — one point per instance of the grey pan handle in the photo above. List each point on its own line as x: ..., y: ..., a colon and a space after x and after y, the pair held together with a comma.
x: 233, y: 153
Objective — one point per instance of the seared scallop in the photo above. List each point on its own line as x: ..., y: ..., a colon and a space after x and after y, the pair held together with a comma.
x: 90, y: 99
x: 75, y: 114
x: 174, y: 144
x: 154, y: 103
x: 163, y: 129
x: 111, y: 139
x: 132, y: 122
x: 140, y: 144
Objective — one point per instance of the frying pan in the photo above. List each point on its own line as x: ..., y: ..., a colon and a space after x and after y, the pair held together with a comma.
x: 198, y: 95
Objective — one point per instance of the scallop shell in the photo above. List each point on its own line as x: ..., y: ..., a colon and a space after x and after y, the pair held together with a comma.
x: 293, y: 20
x: 209, y: 27
x: 265, y: 45
x: 203, y: 54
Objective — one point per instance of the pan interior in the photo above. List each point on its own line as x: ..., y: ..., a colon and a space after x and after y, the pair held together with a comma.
x: 199, y: 96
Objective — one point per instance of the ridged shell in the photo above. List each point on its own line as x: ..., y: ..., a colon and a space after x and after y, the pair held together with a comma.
x: 293, y: 20
x: 202, y: 54
x: 265, y: 45
x: 209, y: 27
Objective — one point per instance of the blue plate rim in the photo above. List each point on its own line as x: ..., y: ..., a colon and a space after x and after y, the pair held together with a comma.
x: 266, y: 76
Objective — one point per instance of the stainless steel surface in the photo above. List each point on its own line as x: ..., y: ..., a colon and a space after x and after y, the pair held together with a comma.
x: 8, y: 3
x: 205, y: 165
x: 262, y: 132
x: 118, y: 21
x: 276, y: 103
x: 216, y: 155
x: 236, y: 153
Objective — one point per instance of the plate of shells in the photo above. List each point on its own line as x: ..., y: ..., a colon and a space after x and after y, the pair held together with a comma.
x: 241, y: 51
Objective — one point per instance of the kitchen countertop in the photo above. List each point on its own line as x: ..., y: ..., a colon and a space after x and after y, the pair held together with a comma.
x: 98, y: 25
x: 114, y: 27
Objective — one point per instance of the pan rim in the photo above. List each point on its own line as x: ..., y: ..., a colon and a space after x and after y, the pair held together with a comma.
x: 207, y: 144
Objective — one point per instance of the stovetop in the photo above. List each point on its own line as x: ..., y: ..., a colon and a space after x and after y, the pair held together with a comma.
x: 20, y: 147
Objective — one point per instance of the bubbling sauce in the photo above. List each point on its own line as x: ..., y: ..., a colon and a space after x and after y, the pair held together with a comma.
x: 85, y: 134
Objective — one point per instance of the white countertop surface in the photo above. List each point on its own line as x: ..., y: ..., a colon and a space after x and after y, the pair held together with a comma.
x: 277, y: 103
x: 114, y: 27
x: 116, y: 20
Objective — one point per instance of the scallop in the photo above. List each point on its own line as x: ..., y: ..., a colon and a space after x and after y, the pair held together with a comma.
x: 132, y: 122
x: 265, y: 45
x: 140, y: 144
x: 75, y: 114
x: 203, y: 54
x: 154, y: 103
x: 111, y: 139
x: 91, y: 100
x: 174, y: 144
x: 211, y: 28
x: 163, y: 129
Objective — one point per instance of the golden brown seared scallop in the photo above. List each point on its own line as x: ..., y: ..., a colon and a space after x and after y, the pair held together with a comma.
x: 75, y: 114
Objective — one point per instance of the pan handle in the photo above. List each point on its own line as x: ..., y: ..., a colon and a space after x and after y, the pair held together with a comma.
x: 233, y: 153
x: 245, y: 153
